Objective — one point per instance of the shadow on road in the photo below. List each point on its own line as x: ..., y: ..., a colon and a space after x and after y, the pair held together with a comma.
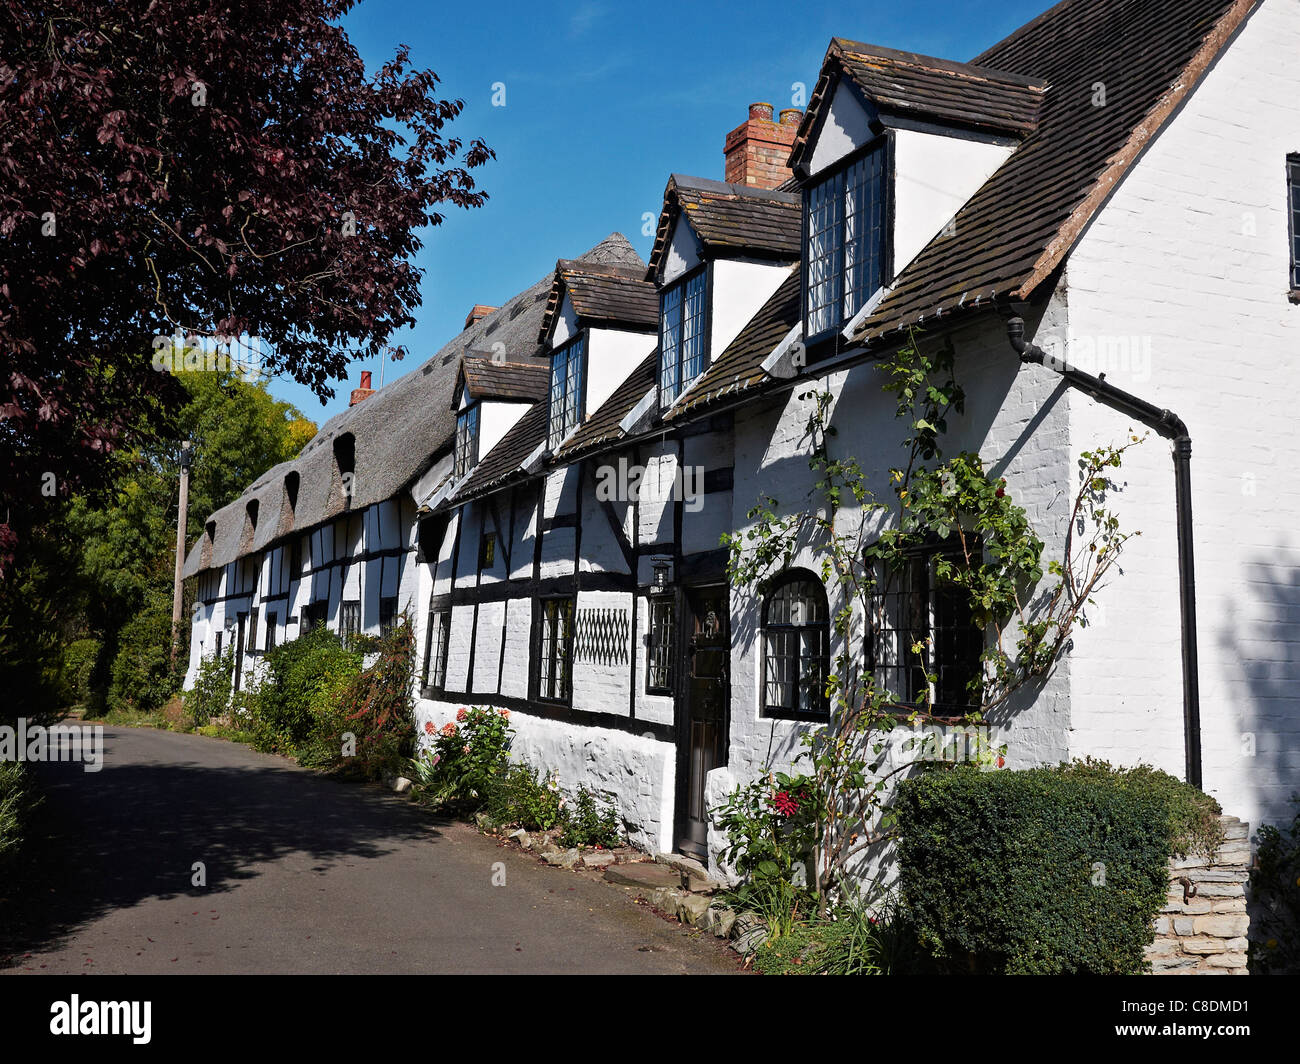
x: 134, y: 830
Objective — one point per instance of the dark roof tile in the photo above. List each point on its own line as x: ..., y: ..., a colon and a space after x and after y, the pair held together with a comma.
x: 1018, y: 227
x: 487, y: 378
x: 730, y: 219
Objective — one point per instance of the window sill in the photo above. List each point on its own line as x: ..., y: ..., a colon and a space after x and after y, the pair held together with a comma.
x: 793, y: 715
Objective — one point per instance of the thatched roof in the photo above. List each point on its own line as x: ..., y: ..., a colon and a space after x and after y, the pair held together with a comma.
x: 395, y: 435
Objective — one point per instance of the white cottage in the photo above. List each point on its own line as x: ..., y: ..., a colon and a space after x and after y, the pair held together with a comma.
x: 1101, y: 215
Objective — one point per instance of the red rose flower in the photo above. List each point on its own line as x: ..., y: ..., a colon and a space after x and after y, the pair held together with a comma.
x: 462, y: 713
x: 784, y: 803
x: 429, y: 729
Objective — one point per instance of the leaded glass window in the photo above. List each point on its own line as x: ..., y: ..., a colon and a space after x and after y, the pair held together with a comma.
x: 555, y: 650
x: 920, y: 606
x: 659, y: 656
x: 683, y: 346
x: 796, y: 648
x: 466, y: 440
x: 845, y: 241
x: 566, y: 390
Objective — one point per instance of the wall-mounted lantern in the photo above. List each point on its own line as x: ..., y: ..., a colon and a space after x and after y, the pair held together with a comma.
x: 661, y: 573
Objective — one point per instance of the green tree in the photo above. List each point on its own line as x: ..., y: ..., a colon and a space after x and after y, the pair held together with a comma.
x: 125, y: 542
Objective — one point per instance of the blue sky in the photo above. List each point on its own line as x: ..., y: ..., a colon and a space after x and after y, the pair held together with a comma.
x: 603, y: 100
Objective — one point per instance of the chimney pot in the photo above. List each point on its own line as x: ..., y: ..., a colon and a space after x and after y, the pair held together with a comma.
x: 756, y: 151
x: 364, y: 392
x: 791, y: 116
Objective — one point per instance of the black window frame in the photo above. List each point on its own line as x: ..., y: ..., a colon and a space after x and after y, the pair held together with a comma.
x: 777, y: 584
x: 574, y: 353
x: 314, y: 614
x: 940, y: 602
x: 884, y: 144
x: 703, y: 276
x: 250, y: 640
x: 387, y: 614
x: 349, y: 621
x: 1293, y: 219
x: 465, y: 456
x: 540, y: 643
x: 435, y: 657
x: 661, y: 650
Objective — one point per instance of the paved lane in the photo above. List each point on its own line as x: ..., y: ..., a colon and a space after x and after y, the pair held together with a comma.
x: 304, y: 875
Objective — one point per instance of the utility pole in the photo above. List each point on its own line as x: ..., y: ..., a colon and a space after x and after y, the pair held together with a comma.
x: 187, y: 460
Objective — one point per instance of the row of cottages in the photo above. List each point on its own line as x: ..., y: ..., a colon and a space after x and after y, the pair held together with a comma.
x: 545, y: 497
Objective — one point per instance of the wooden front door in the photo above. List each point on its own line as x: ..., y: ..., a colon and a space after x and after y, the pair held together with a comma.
x: 704, y: 723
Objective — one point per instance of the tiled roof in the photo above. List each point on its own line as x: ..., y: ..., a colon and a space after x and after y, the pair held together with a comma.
x: 486, y: 378
x: 1020, y: 225
x: 1147, y: 56
x: 907, y: 85
x: 603, y: 295
x: 730, y: 219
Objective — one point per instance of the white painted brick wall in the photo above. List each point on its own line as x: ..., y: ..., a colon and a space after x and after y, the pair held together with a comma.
x: 637, y: 772
x: 1191, y: 256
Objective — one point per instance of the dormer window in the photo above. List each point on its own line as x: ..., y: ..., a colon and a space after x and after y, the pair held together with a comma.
x: 466, y: 440
x: 845, y: 239
x: 566, y: 390
x: 683, y: 344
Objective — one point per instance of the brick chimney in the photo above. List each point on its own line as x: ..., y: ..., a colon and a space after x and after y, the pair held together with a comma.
x: 364, y: 392
x: 757, y: 151
x: 478, y: 311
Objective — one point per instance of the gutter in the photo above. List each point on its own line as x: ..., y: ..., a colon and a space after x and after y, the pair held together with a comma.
x: 1171, y: 426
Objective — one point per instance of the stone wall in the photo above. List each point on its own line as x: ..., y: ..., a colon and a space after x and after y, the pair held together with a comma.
x: 1206, y: 933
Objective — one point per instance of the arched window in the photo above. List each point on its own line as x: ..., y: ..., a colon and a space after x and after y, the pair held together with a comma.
x: 796, y: 647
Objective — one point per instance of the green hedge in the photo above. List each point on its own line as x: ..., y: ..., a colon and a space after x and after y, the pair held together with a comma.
x: 1043, y: 871
x: 298, y: 697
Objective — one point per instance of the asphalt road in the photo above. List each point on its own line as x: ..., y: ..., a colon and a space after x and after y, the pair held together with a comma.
x: 304, y: 875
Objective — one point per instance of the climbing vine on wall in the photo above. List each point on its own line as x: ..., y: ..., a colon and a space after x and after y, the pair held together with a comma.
x: 994, y: 563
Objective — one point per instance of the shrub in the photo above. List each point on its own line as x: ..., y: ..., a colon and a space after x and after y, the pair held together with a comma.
x: 1044, y: 871
x: 589, y: 825
x: 143, y: 676
x: 16, y: 804
x: 771, y: 828
x: 376, y: 708
x: 1275, y: 892
x: 298, y: 696
x: 523, y: 800
x: 210, y: 695
x: 467, y: 760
